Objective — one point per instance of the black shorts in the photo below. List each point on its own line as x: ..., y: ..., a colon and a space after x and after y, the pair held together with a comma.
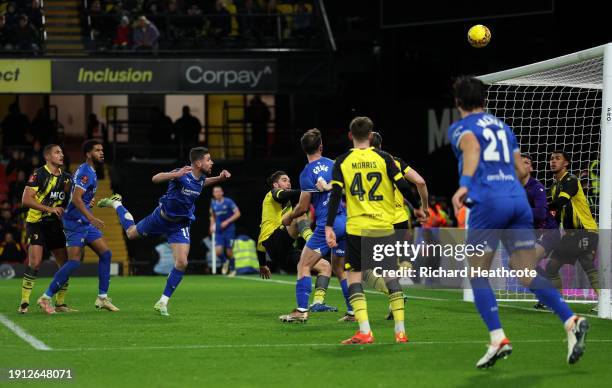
x: 548, y: 239
x: 360, y: 253
x: 279, y: 245
x: 575, y: 244
x: 401, y: 225
x: 46, y: 233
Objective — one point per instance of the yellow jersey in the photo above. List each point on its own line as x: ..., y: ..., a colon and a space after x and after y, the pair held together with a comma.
x: 401, y: 213
x: 272, y: 211
x: 368, y: 177
x: 576, y: 214
x: 51, y: 190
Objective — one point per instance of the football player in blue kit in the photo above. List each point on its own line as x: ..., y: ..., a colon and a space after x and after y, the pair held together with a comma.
x: 82, y: 228
x: 174, y: 214
x: 318, y: 168
x: 223, y: 216
x: 488, y: 155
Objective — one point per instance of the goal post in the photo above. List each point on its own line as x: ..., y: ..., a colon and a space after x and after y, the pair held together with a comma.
x: 566, y: 103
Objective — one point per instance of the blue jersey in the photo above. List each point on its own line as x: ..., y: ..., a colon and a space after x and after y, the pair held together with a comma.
x: 84, y: 178
x: 222, y: 211
x: 495, y: 175
x: 321, y: 168
x: 179, y: 200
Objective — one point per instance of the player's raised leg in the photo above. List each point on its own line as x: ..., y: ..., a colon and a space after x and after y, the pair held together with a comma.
x: 125, y: 217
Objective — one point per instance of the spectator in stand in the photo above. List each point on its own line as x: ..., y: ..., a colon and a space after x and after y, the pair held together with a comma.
x: 11, y: 251
x: 122, y: 36
x: 14, y: 127
x: 274, y: 23
x: 36, y: 151
x: 17, y: 162
x: 35, y: 14
x: 26, y: 36
x: 16, y: 188
x: 8, y: 223
x: 7, y: 35
x: 12, y: 17
x: 302, y: 21
x: 174, y: 21
x: 97, y: 17
x: 188, y: 129
x: 220, y: 21
x: 258, y: 115
x: 250, y: 19
x: 153, y: 8
x: 194, y: 10
x: 146, y: 35
x: 43, y: 128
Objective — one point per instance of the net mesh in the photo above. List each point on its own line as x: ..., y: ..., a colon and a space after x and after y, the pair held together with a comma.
x: 555, y: 109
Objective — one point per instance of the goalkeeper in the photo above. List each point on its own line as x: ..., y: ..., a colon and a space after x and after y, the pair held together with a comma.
x: 574, y: 215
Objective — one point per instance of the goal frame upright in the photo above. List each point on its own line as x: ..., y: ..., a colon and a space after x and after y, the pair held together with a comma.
x: 605, y: 163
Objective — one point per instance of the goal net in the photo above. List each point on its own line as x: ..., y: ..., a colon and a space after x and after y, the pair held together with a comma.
x: 558, y: 104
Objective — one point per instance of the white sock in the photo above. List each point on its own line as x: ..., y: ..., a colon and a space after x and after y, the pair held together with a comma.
x: 364, y: 327
x: 164, y: 299
x: 45, y: 296
x: 102, y: 296
x: 399, y: 327
x: 569, y: 323
x: 302, y: 310
x: 116, y: 204
x: 497, y: 336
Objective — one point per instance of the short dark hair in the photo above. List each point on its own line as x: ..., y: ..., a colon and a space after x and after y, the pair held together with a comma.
x: 89, y: 145
x: 469, y: 92
x: 527, y: 156
x: 275, y: 177
x: 566, y: 156
x: 197, y: 153
x: 361, y: 127
x: 376, y: 141
x: 311, y: 141
x: 49, y: 148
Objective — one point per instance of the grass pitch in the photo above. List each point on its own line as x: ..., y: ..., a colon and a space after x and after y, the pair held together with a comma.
x: 225, y: 332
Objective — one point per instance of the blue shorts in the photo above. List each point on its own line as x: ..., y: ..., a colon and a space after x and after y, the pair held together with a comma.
x: 225, y: 238
x: 155, y: 225
x: 508, y: 219
x: 317, y: 241
x: 79, y: 234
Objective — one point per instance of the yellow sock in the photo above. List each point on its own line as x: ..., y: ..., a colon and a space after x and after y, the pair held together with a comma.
x: 27, y: 284
x: 319, y: 295
x: 304, y: 229
x: 360, y: 307
x: 396, y: 301
x: 375, y: 282
x: 61, y: 295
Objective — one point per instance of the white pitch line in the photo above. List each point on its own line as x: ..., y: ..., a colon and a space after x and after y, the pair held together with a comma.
x: 410, y: 296
x: 21, y: 333
x: 256, y: 346
x: 332, y: 287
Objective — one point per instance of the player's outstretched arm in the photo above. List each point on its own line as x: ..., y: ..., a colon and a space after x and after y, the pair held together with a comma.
x: 414, y: 177
x: 222, y: 177
x: 168, y: 176
x: 283, y: 195
x: 299, y: 209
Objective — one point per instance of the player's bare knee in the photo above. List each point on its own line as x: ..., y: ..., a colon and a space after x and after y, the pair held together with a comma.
x: 181, y: 264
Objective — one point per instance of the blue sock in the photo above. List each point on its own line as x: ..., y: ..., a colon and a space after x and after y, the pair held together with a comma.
x: 62, y: 275
x: 232, y: 264
x: 104, y: 263
x: 345, y: 292
x: 173, y: 281
x: 303, y: 288
x: 485, y: 302
x: 548, y: 295
x: 125, y: 217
